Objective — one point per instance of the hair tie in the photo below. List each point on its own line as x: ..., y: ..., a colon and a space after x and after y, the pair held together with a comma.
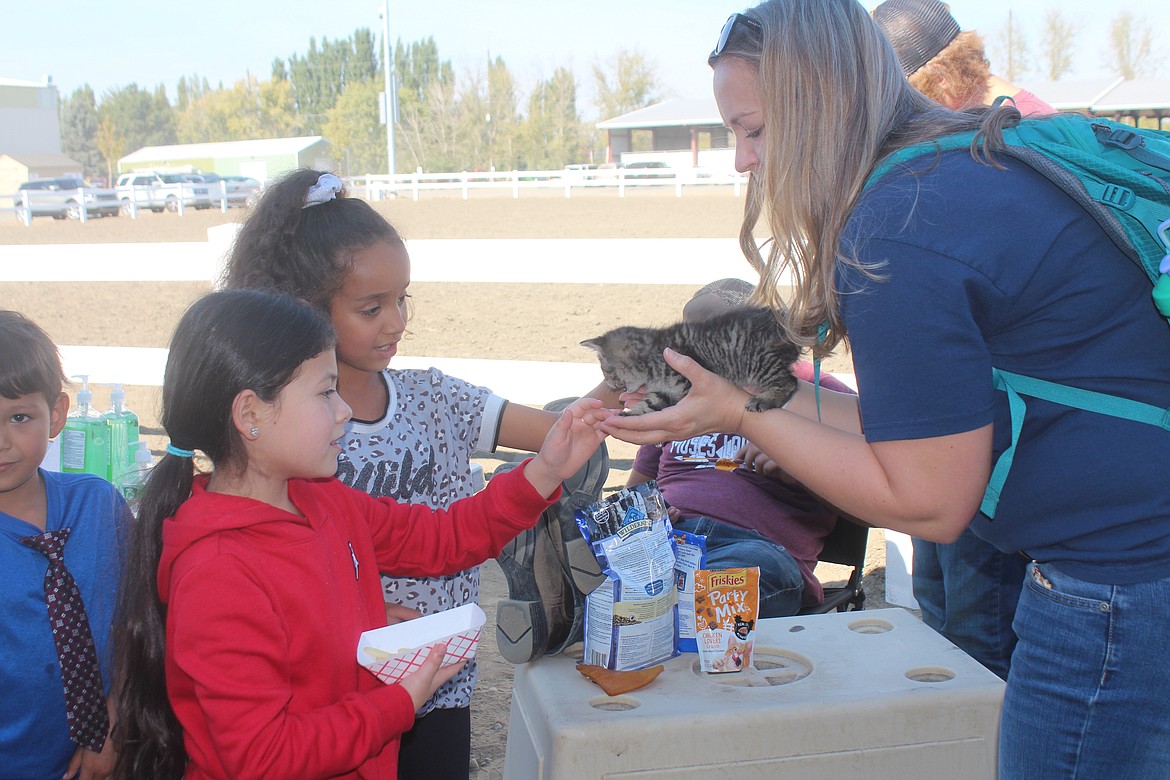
x: 325, y: 189
x: 173, y: 450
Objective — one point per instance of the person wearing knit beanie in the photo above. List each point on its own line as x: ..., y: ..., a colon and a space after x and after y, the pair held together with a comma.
x: 917, y: 29
x: 944, y: 63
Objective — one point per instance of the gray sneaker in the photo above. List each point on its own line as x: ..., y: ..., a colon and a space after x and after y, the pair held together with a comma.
x: 577, y: 492
x: 540, y: 603
x: 548, y: 569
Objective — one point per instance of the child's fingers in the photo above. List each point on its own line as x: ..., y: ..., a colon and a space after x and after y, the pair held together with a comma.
x: 74, y: 764
x: 447, y: 673
x: 397, y: 613
x: 422, y: 683
x: 590, y: 412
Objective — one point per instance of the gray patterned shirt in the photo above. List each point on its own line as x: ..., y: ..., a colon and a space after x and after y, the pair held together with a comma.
x: 420, y: 453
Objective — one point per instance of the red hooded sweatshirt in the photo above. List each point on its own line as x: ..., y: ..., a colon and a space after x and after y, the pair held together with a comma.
x: 264, y: 611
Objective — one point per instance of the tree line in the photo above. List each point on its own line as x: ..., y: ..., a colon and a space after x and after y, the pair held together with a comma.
x: 1128, y: 51
x: 477, y: 121
x: 444, y: 122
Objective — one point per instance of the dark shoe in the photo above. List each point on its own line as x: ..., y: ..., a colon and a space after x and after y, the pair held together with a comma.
x: 560, y: 522
x: 541, y: 608
x: 575, y: 631
x: 521, y: 628
x: 549, y: 567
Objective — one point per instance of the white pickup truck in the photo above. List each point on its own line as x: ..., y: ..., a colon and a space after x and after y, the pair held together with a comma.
x: 158, y: 191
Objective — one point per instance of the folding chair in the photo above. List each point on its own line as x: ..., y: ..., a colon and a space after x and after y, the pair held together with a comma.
x: 845, y: 545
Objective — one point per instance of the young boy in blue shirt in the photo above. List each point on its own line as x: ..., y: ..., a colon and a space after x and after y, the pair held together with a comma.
x: 55, y: 530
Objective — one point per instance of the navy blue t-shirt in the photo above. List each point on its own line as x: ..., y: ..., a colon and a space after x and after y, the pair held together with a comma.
x: 981, y: 267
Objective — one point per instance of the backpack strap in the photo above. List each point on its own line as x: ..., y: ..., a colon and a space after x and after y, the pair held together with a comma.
x: 897, y: 158
x: 822, y: 334
x: 1018, y: 385
x: 1130, y: 142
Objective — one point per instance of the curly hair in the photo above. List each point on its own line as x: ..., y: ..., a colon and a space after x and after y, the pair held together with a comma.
x: 305, y: 252
x: 958, y: 76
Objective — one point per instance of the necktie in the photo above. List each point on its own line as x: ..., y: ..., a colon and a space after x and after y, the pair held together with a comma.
x: 85, y: 701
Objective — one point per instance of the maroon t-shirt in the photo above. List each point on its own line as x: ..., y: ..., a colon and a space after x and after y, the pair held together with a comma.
x: 786, y: 514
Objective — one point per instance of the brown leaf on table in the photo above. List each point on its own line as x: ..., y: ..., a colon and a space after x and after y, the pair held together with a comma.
x: 614, y: 683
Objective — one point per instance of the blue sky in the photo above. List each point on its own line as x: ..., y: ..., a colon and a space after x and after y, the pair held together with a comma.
x: 148, y: 43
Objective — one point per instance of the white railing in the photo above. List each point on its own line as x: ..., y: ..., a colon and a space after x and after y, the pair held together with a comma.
x: 684, y: 261
x: 22, y: 206
x: 186, y: 198
x: 138, y: 198
x: 380, y: 186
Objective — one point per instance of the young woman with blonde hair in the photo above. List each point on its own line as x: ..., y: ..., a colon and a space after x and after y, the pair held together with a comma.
x: 945, y: 267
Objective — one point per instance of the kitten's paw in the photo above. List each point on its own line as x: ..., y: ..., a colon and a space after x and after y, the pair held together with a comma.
x: 637, y: 409
x: 762, y: 403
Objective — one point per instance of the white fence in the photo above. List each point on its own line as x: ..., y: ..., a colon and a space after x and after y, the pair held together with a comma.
x: 21, y: 204
x: 377, y: 187
x: 691, y: 262
x: 382, y: 186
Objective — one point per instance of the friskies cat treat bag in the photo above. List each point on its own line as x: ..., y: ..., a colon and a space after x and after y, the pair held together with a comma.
x: 727, y: 604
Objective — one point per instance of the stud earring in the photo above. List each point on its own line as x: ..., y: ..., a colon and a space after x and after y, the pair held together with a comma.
x: 254, y: 432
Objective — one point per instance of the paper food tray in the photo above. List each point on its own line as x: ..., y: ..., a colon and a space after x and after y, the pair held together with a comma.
x: 395, y: 651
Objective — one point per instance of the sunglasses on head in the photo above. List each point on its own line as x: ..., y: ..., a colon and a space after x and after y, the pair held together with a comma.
x: 729, y: 26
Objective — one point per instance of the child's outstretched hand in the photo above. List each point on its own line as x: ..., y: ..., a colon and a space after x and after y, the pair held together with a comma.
x: 570, y: 442
x: 422, y: 683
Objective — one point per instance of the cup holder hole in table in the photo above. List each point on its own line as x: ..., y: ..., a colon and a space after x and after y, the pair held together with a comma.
x: 771, y: 666
x: 930, y: 674
x: 614, y: 703
x: 871, y: 626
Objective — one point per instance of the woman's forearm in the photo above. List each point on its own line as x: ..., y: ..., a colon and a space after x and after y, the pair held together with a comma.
x: 929, y: 488
x: 839, y: 410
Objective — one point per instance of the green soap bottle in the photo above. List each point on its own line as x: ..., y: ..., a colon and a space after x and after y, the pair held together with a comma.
x: 123, y: 433
x: 85, y: 441
x: 132, y: 480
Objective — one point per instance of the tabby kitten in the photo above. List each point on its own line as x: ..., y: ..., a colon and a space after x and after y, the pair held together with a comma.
x: 746, y: 346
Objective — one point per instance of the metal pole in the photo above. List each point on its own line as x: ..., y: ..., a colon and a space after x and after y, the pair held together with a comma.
x: 387, y: 67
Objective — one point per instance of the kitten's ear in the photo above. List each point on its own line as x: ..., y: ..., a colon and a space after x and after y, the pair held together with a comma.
x: 596, y: 344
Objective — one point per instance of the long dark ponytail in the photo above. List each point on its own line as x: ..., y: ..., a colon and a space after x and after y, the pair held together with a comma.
x: 227, y: 342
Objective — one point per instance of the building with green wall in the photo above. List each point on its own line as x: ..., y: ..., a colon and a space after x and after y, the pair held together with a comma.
x: 260, y: 159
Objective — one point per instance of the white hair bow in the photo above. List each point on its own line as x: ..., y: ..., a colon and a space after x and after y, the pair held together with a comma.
x: 325, y: 189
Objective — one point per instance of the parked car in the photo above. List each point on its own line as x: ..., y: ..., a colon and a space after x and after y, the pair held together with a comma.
x: 241, y: 190
x: 62, y: 198
x: 650, y: 169
x: 158, y: 191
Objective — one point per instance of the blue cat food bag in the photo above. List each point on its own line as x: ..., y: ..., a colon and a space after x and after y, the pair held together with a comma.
x: 690, y: 555
x: 631, y: 619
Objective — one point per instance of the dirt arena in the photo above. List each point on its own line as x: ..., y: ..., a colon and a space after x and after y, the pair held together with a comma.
x: 499, y: 321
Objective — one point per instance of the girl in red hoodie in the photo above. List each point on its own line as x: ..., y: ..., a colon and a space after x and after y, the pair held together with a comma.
x: 249, y: 585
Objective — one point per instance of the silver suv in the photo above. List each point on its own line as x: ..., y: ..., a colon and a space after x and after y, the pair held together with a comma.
x: 158, y: 191
x: 63, y: 198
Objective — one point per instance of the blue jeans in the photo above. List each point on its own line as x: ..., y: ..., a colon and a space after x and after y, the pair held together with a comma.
x: 1088, y: 695
x: 729, y: 547
x: 967, y: 592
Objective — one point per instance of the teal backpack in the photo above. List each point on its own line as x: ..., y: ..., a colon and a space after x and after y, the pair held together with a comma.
x: 1120, y: 175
